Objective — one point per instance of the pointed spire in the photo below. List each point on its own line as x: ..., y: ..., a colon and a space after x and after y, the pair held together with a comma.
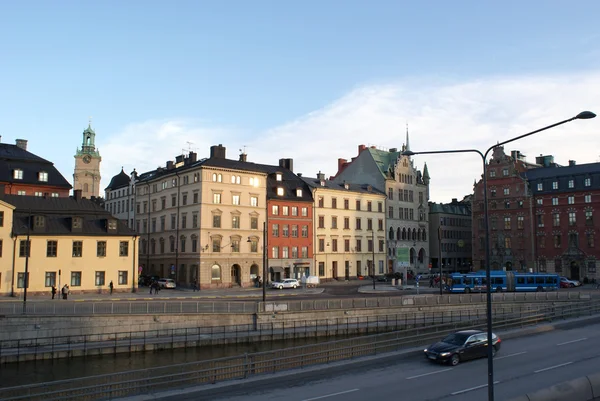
x: 407, y: 142
x: 425, y: 171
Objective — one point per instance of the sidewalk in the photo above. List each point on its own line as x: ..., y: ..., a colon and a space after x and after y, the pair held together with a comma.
x: 143, y: 294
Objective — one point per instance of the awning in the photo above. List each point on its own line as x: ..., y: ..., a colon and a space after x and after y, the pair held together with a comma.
x: 277, y: 269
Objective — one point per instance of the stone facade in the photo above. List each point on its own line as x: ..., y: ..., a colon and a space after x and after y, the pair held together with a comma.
x: 86, y: 176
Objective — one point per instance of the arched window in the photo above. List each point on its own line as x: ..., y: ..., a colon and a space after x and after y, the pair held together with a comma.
x: 215, y: 272
x: 404, y: 234
x: 419, y: 235
x: 214, y: 177
x: 86, y: 187
x: 391, y: 235
x: 398, y: 234
x: 414, y: 234
x: 424, y: 235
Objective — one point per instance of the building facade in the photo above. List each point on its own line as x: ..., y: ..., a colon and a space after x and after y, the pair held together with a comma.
x: 406, y: 206
x: 566, y: 200
x: 23, y: 173
x: 120, y: 197
x: 450, y: 239
x: 86, y: 176
x: 72, y: 241
x: 349, y: 229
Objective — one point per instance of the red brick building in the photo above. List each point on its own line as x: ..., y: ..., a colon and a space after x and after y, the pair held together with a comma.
x: 289, y: 224
x: 23, y: 173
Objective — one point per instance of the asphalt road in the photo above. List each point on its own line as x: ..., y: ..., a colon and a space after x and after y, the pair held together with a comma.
x: 523, y: 365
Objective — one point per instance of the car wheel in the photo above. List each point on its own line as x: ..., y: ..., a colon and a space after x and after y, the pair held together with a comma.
x: 455, y: 360
x: 571, y: 285
x: 467, y: 290
x: 294, y: 287
x: 280, y: 287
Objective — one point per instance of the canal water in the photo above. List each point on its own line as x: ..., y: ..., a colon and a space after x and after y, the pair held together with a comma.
x: 22, y: 373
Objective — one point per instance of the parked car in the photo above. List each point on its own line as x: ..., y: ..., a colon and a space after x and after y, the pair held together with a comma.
x: 567, y: 283
x: 287, y: 283
x: 166, y: 283
x: 461, y: 346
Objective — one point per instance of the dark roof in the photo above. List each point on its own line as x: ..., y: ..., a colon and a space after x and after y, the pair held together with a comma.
x: 552, y: 172
x: 59, y: 213
x: 458, y: 208
x: 120, y: 180
x: 562, y: 175
x: 13, y: 157
x: 340, y: 186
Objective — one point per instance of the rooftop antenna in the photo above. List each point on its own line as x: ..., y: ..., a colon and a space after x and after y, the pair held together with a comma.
x: 243, y: 150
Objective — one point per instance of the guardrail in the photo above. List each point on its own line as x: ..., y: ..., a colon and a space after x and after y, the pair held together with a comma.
x: 131, y: 341
x: 154, y: 380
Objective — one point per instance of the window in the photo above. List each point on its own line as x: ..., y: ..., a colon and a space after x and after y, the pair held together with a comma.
x: 346, y: 223
x: 235, y: 221
x: 216, y: 198
x: 390, y: 212
x: 275, y: 252
x: 321, y: 269
x: 280, y: 191
x: 235, y: 245
x: 216, y: 221
x: 556, y: 220
x: 77, y: 249
x: 589, y: 218
x: 50, y: 279
x: 184, y: 199
x: 507, y: 243
x: 358, y: 223
x: 51, y: 249
x: 358, y: 205
x: 587, y: 182
x: 124, y: 249
x: 24, y: 248
x: 346, y: 204
x: 554, y: 184
x: 304, y: 251
x: 520, y: 222
x: 334, y: 203
x: 590, y: 239
x: 254, y: 245
x: 195, y: 197
x: 507, y: 223
x: 99, y: 278
x: 505, y: 172
x: 101, y: 248
x: 43, y: 176
x: 18, y: 174
x: 305, y: 231
x: 321, y: 221
x: 294, y: 210
x: 540, y: 186
x: 254, y: 223
x: 122, y: 277
x: 304, y: 211
x: 21, y: 280
x: 321, y: 245
x: 492, y: 173
x: 554, y: 201
x: 334, y: 245
x: 540, y: 202
x: 334, y: 222
x: 38, y: 194
x: 22, y: 193
x: 285, y: 252
x: 285, y: 231
x: 235, y: 199
x: 294, y: 252
x: 75, y: 279
x: 294, y: 231
x: 274, y: 210
x: 346, y: 245
x: 571, y: 200
x: 572, y: 219
x: 506, y: 191
x: 254, y: 201
x: 215, y: 272
x: 1, y: 219
x: 571, y: 183
x: 285, y: 211
x: 216, y: 245
x: 557, y: 241
x: 588, y: 199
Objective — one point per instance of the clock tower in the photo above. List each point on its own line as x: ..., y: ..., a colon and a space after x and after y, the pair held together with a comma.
x: 86, y: 176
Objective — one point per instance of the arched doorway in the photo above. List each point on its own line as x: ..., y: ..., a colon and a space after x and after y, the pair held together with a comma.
x: 574, y: 270
x: 509, y: 266
x: 236, y: 276
x: 254, y: 273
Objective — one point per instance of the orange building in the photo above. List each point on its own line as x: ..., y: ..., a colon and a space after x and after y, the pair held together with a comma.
x: 23, y: 173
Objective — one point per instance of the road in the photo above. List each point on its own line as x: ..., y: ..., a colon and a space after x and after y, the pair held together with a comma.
x: 523, y: 365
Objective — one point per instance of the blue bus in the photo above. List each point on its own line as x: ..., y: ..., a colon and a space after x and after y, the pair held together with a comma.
x: 502, y: 281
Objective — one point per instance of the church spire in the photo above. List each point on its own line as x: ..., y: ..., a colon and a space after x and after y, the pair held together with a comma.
x: 425, y: 175
x: 407, y: 142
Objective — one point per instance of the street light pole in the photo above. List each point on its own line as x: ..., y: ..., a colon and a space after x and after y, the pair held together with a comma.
x: 440, y: 261
x: 373, y: 249
x: 28, y: 248
x: 584, y: 115
x: 264, y: 281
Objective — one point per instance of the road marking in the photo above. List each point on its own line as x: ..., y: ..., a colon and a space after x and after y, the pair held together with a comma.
x: 471, y: 389
x: 572, y: 341
x: 509, y: 355
x: 552, y: 367
x: 427, y: 374
x: 331, y: 395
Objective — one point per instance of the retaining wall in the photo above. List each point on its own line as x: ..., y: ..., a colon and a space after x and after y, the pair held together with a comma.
x: 585, y: 388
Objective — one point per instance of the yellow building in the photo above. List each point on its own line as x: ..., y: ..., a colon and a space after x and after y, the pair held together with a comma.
x: 349, y: 229
x: 72, y: 241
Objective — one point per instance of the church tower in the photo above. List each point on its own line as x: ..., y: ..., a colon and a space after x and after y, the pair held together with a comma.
x: 87, y: 166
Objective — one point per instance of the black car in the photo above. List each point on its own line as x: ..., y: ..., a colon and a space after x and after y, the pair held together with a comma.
x: 462, y: 346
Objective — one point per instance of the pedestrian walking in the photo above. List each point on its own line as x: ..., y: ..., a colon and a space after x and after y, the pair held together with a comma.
x: 431, y: 282
x: 195, y: 285
x: 53, y: 291
x: 111, y: 286
x: 65, y: 291
x: 151, y: 285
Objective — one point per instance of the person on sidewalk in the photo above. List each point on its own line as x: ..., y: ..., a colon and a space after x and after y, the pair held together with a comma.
x: 195, y: 285
x: 431, y: 282
x: 53, y: 291
x: 65, y: 291
x: 111, y: 286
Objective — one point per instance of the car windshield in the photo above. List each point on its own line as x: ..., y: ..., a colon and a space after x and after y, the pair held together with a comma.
x: 456, y: 339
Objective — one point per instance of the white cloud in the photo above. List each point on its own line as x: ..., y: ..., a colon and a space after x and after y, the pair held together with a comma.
x: 441, y: 115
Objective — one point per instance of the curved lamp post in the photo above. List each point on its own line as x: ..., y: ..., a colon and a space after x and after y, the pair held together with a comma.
x: 584, y: 115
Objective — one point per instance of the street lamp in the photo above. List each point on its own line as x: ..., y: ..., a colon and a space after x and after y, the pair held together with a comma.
x: 584, y: 115
x: 28, y: 248
x: 373, y: 249
x: 265, y: 260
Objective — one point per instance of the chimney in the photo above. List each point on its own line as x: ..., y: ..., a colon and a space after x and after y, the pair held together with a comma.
x: 299, y: 175
x: 243, y: 157
x: 217, y: 152
x: 287, y: 164
x: 321, y: 176
x: 170, y: 165
x: 77, y: 194
x: 179, y: 159
x: 21, y: 143
x: 361, y: 148
x: 454, y: 201
x: 572, y: 163
x: 193, y: 157
x: 393, y: 150
x: 341, y: 163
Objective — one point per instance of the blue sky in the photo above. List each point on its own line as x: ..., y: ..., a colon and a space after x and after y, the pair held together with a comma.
x: 309, y: 80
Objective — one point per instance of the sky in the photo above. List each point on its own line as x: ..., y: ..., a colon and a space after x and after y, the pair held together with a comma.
x: 307, y: 80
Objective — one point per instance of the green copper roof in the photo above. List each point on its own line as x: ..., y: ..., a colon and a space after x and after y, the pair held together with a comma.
x: 89, y: 130
x: 425, y: 171
x: 386, y: 161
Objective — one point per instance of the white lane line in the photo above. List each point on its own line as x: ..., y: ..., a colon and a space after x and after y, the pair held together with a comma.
x: 572, y: 341
x: 552, y: 367
x: 509, y: 355
x: 427, y: 374
x: 332, y: 395
x: 471, y: 389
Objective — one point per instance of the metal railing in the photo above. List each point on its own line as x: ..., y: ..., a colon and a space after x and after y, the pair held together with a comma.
x: 128, y: 341
x: 154, y: 380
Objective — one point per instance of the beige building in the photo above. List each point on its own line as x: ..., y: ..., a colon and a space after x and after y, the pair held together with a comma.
x: 72, y: 241
x: 349, y: 229
x: 202, y: 220
x: 86, y: 176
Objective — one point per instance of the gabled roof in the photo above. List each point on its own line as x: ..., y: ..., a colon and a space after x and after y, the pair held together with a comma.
x: 341, y: 186
x: 384, y: 160
x: 13, y: 157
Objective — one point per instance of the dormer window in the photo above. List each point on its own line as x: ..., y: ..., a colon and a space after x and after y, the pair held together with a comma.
x: 299, y: 193
x: 278, y: 176
x: 112, y: 225
x: 322, y: 183
x: 346, y: 185
x: 38, y: 221
x: 77, y: 222
x: 43, y: 176
x: 280, y: 191
x: 18, y: 174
